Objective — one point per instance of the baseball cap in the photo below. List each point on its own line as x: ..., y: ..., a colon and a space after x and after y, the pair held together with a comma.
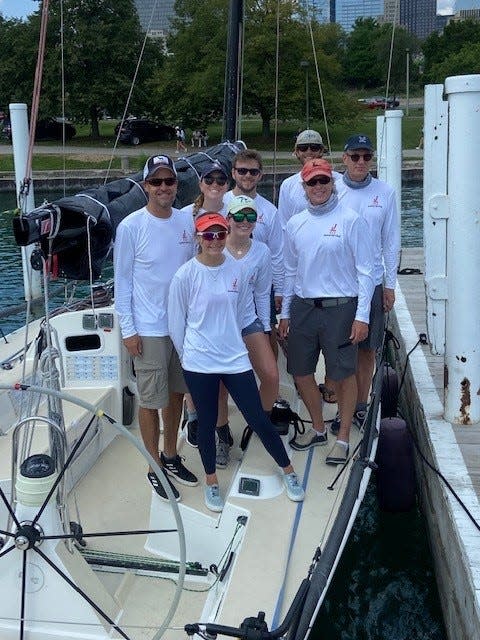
x: 309, y: 136
x: 210, y: 219
x: 314, y: 168
x: 211, y: 167
x: 238, y: 203
x: 358, y: 141
x: 158, y: 162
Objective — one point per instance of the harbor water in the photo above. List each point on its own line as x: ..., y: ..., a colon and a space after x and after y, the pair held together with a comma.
x: 384, y: 587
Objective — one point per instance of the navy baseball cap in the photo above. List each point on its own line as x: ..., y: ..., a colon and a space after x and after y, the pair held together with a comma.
x: 158, y: 162
x: 359, y: 141
x: 211, y: 167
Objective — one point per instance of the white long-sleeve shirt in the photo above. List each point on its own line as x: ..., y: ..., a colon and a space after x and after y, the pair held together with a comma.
x: 257, y: 267
x: 292, y: 197
x: 147, y: 253
x: 207, y: 310
x: 377, y: 205
x: 328, y: 256
x: 269, y: 231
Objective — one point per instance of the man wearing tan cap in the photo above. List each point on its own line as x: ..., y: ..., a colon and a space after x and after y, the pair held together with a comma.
x: 326, y: 303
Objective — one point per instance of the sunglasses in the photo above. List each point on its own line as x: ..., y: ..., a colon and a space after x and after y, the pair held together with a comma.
x: 312, y: 147
x: 220, y: 180
x: 320, y: 180
x: 213, y: 235
x: 356, y: 156
x: 243, y: 171
x: 157, y: 182
x: 245, y: 214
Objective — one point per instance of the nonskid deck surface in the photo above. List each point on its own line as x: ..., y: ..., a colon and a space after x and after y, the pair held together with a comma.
x: 272, y: 551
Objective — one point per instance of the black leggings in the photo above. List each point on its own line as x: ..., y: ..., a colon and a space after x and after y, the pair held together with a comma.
x: 204, y: 388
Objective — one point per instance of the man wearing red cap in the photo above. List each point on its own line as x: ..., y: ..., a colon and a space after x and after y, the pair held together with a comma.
x: 326, y: 304
x: 150, y: 245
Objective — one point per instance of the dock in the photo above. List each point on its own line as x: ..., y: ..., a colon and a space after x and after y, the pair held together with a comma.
x: 451, y: 448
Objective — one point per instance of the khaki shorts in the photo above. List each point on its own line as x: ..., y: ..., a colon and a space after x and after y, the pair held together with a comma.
x: 158, y: 372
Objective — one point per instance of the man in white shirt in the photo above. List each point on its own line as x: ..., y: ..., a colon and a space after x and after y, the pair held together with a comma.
x: 326, y: 303
x: 150, y: 245
x: 375, y: 201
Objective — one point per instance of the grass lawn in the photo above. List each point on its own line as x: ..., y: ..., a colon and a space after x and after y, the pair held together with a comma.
x: 251, y: 134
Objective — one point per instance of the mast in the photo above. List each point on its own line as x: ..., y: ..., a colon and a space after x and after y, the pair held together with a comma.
x: 231, y: 96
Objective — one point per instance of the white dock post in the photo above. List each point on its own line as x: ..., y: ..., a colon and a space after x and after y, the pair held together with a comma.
x: 19, y: 121
x: 389, y: 154
x: 462, y: 331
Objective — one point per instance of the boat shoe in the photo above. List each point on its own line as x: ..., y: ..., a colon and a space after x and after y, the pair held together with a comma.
x: 213, y: 499
x: 311, y: 438
x: 293, y: 488
x: 222, y: 454
x: 337, y: 455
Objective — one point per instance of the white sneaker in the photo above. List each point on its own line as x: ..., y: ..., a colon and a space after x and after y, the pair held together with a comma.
x: 213, y: 499
x: 294, y: 489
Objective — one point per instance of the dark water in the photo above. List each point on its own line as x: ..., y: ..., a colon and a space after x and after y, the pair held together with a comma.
x: 384, y: 587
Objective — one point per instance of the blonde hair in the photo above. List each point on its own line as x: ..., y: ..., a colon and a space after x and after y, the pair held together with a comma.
x: 198, y: 204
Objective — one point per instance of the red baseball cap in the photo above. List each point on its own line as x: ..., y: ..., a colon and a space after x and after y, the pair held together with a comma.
x: 316, y: 167
x: 210, y: 219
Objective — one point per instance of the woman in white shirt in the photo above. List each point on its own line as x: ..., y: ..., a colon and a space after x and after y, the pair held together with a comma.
x: 208, y: 308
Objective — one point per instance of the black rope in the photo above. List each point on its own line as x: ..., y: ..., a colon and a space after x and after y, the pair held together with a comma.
x: 103, y: 534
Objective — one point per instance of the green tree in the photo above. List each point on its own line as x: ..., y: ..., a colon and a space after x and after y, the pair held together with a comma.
x: 437, y: 48
x: 191, y: 85
x: 464, y: 61
x: 102, y: 44
x: 363, y: 70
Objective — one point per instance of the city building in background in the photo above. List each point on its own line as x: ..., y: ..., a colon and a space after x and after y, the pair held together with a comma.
x: 158, y: 24
x: 419, y: 17
x: 319, y: 10
x: 461, y: 5
x: 391, y: 12
x: 347, y: 11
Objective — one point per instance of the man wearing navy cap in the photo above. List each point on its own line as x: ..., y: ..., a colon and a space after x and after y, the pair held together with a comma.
x: 375, y: 201
x: 150, y: 245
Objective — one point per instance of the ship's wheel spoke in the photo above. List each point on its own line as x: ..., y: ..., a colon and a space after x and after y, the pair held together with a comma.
x: 8, y: 534
x: 4, y: 553
x: 81, y: 593
x: 108, y: 534
x: 24, y: 591
x: 9, y: 508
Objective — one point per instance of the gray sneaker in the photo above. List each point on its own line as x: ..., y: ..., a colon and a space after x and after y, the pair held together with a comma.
x: 223, y: 454
x: 337, y: 455
x: 311, y: 438
x: 359, y: 419
x: 294, y: 489
x: 213, y: 499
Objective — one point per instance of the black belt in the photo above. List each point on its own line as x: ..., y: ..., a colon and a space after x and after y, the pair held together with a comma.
x: 323, y: 303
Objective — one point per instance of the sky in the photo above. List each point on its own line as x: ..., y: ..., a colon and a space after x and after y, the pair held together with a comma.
x: 17, y: 8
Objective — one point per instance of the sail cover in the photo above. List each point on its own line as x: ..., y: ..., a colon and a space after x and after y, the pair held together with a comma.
x: 75, y: 233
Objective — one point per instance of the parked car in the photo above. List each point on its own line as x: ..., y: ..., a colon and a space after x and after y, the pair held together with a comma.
x: 379, y: 102
x: 52, y: 129
x: 136, y: 131
x: 6, y: 129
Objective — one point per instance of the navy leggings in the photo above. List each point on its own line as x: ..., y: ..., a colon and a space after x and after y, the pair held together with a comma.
x: 242, y: 387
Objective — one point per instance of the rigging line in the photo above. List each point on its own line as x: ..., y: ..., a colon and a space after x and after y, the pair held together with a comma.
x: 62, y: 63
x: 319, y: 82
x: 132, y: 86
x: 387, y: 86
x: 275, y: 135
x: 36, y: 90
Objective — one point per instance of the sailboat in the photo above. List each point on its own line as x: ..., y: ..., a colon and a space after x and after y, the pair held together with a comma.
x: 88, y: 550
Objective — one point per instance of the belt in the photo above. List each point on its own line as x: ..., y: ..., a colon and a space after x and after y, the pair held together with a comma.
x: 323, y: 303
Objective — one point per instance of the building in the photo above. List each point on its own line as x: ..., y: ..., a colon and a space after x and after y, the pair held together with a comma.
x: 320, y: 10
x: 391, y: 11
x: 347, y: 11
x: 158, y: 24
x: 419, y: 16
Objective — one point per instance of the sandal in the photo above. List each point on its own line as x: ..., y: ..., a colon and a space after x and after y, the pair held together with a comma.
x: 329, y: 396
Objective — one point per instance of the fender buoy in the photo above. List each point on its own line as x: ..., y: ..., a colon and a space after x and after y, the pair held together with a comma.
x: 389, y: 396
x: 396, y: 470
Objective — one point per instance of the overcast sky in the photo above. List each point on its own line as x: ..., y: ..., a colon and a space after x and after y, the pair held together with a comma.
x: 21, y: 8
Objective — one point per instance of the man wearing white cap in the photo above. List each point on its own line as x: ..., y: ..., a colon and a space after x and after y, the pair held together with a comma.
x: 292, y: 198
x: 150, y: 245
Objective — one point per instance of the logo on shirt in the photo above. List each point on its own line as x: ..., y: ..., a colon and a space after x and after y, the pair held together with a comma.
x: 234, y: 286
x: 375, y: 204
x: 186, y: 238
x: 332, y: 232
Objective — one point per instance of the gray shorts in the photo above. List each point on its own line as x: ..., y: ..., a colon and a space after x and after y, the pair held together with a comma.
x: 158, y: 372
x: 314, y: 330
x: 376, y: 323
x: 254, y: 327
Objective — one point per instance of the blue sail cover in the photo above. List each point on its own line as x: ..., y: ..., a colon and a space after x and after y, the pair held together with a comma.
x: 75, y: 233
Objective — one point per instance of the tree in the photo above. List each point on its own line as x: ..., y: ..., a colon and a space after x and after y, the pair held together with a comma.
x: 465, y: 61
x: 362, y: 67
x: 191, y: 85
x: 437, y: 48
x: 102, y: 44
